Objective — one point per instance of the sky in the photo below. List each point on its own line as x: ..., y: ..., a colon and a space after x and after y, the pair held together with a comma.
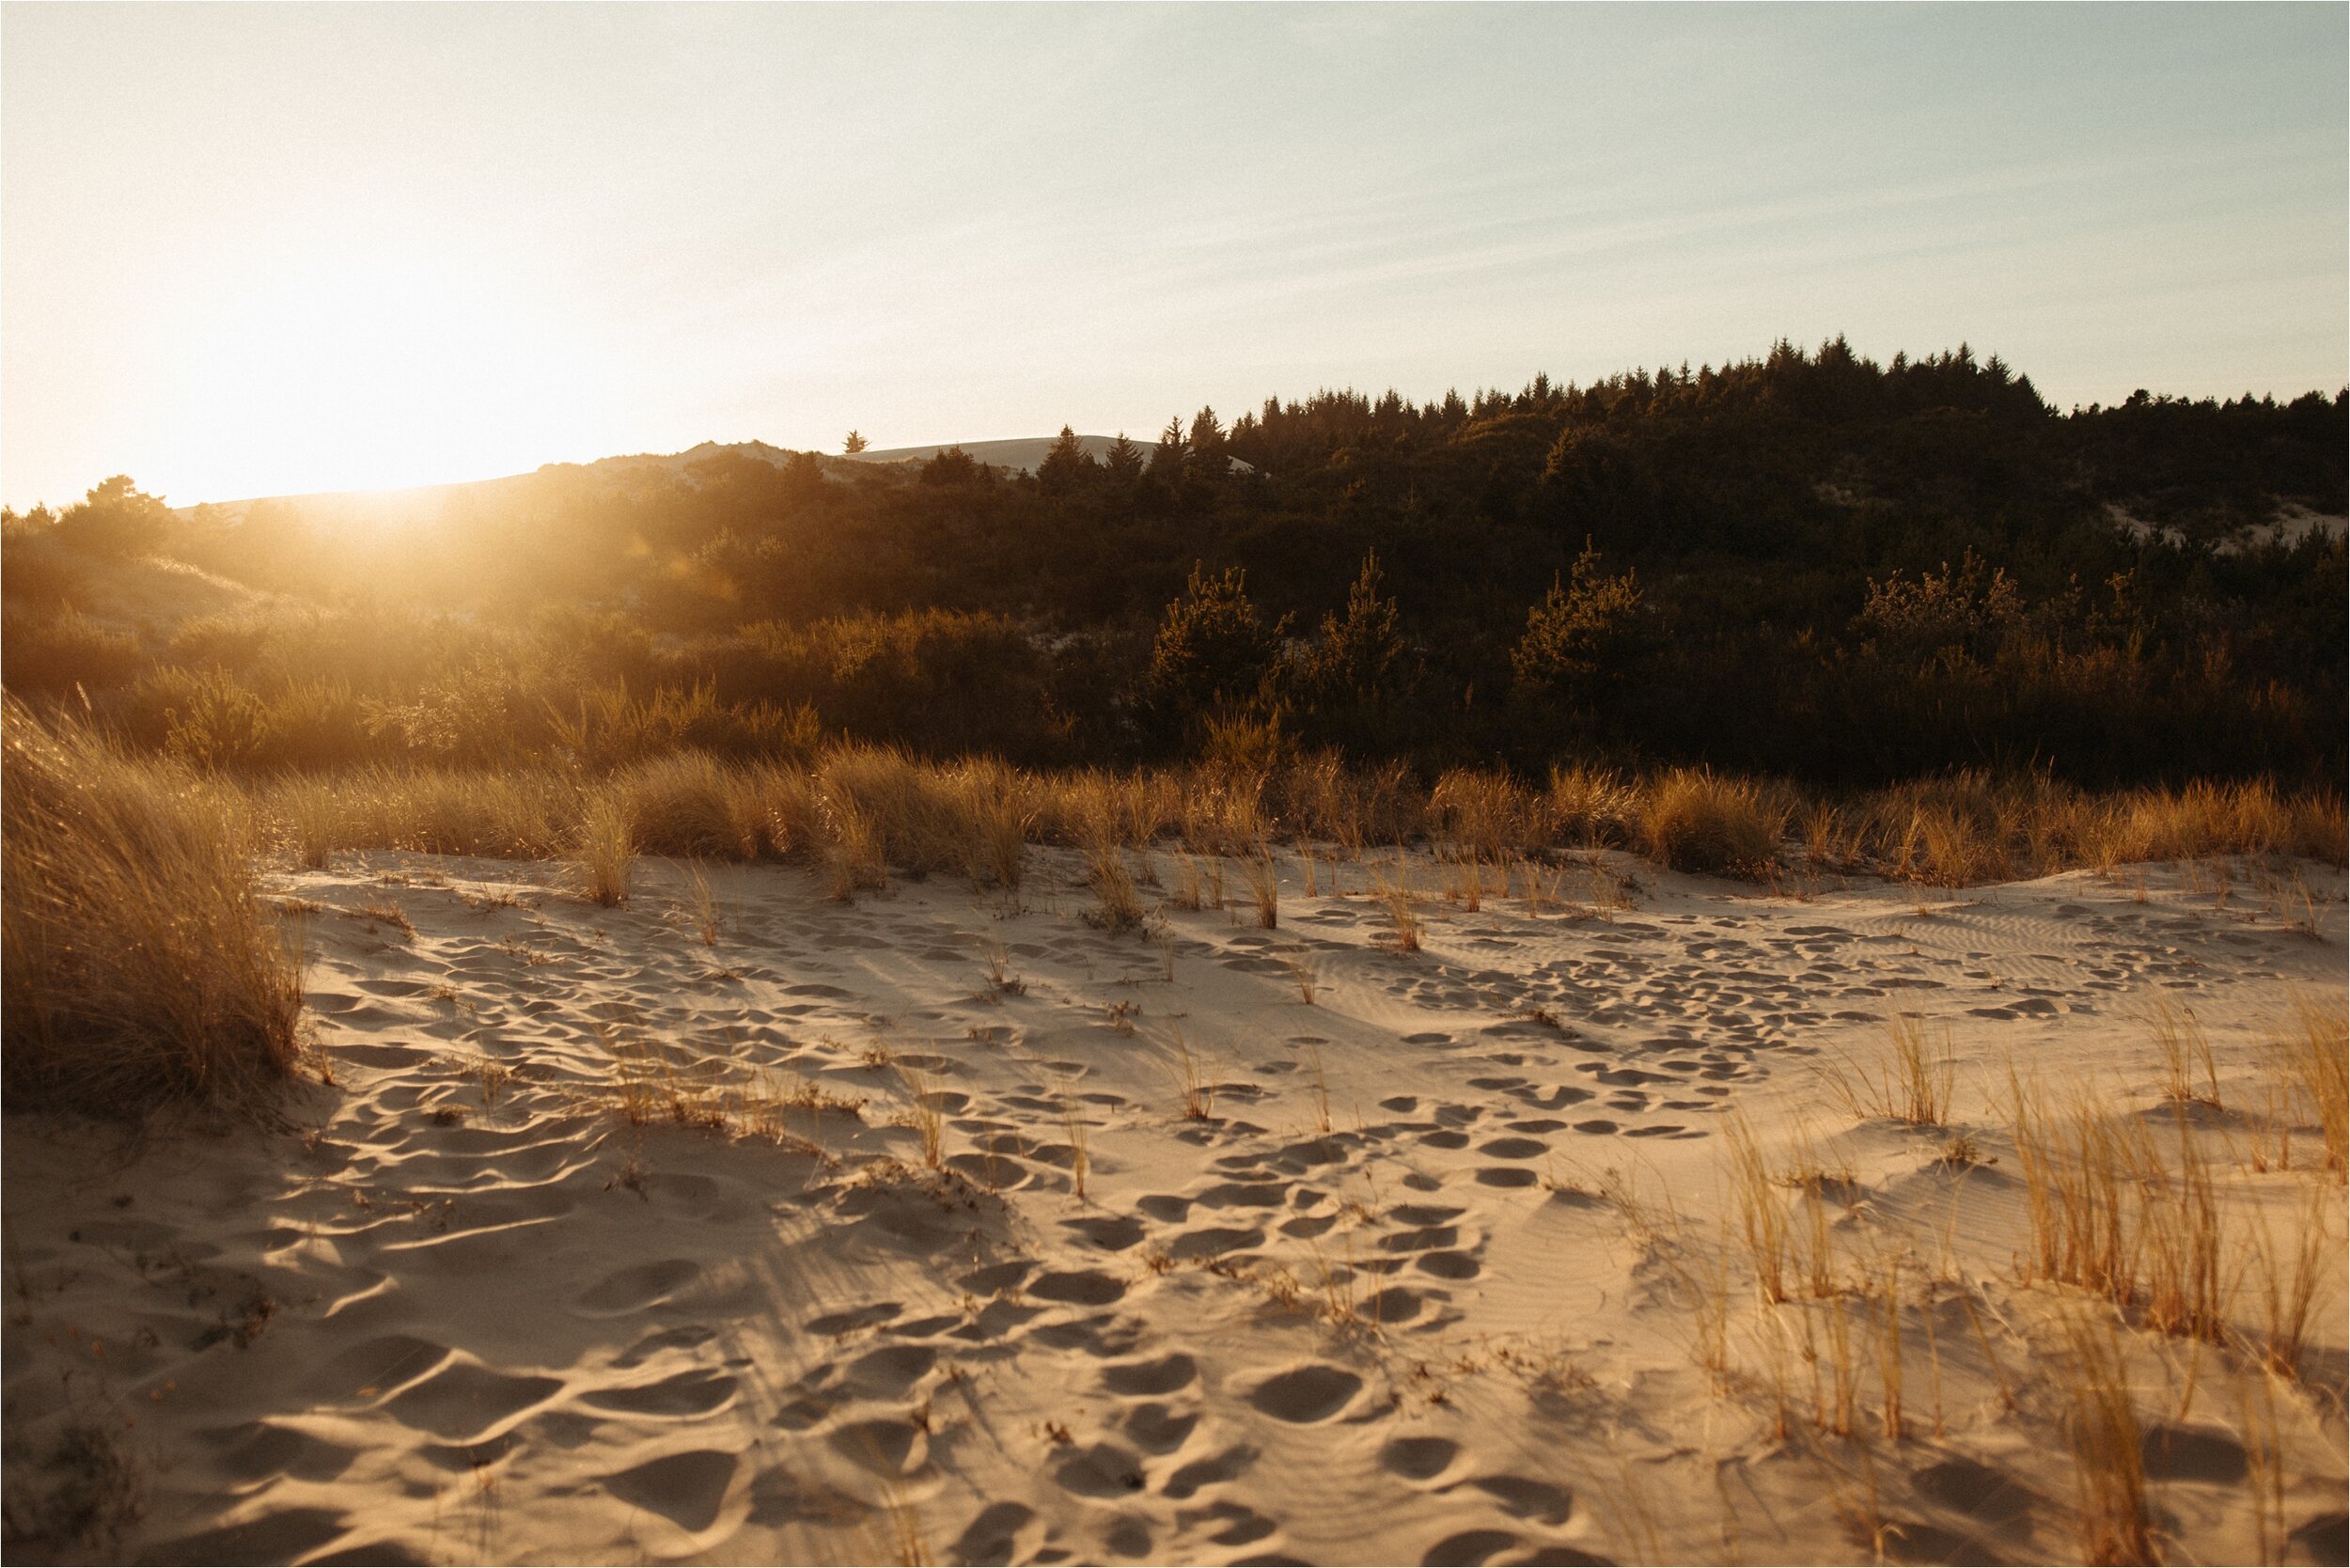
x: 269, y: 250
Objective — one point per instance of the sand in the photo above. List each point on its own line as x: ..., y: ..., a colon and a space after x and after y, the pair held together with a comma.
x: 1380, y: 1300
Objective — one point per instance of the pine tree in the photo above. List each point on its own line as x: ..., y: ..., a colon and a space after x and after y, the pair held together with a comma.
x: 1125, y: 458
x: 854, y: 444
x: 1587, y: 638
x: 1067, y: 465
x: 1207, y: 442
x: 1169, y: 457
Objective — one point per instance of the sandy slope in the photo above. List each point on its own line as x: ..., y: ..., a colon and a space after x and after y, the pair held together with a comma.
x: 445, y: 1318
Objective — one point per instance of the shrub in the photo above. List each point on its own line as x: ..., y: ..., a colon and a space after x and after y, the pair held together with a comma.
x: 1694, y: 820
x: 689, y: 804
x: 137, y: 967
x: 56, y: 652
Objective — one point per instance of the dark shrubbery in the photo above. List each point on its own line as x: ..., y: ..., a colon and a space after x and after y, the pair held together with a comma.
x: 1807, y: 565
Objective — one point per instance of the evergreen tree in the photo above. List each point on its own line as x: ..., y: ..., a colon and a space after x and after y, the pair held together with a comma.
x: 1207, y: 442
x: 1356, y: 662
x: 1169, y: 457
x: 116, y: 518
x: 854, y: 444
x: 1212, y: 650
x: 1125, y: 458
x: 1067, y: 465
x: 1588, y: 640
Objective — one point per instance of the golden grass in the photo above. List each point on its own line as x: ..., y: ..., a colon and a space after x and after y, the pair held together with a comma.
x: 605, y: 847
x: 2309, y: 1063
x: 137, y: 964
x: 858, y: 810
x: 2291, y: 1281
x: 1760, y: 1217
x: 1265, y: 887
x: 926, y: 1117
x: 2189, y: 1074
x: 1197, y: 1093
x: 1396, y: 897
x: 1694, y: 820
x: 1909, y: 1081
x: 2076, y: 1167
x: 2108, y: 1464
x: 1118, y: 904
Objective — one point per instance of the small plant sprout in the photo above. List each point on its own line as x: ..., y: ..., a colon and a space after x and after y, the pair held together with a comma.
x: 1396, y: 896
x: 2189, y: 1075
x: 701, y: 905
x: 926, y: 1117
x: 1305, y: 974
x: 1198, y: 1093
x: 1909, y: 1081
x: 1265, y: 887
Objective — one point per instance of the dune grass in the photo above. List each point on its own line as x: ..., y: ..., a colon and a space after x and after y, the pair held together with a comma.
x: 857, y: 810
x: 139, y: 967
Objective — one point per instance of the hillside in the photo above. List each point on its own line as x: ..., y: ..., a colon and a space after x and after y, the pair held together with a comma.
x: 1808, y: 564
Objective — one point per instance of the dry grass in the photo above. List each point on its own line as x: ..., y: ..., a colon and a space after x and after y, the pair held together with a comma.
x: 2291, y: 1281
x: 2188, y: 1288
x: 1197, y: 1093
x: 1396, y: 896
x: 1908, y: 1082
x: 1760, y: 1216
x: 1264, y: 886
x: 135, y: 962
x: 856, y: 810
x: 2189, y: 1074
x: 2108, y: 1464
x: 701, y: 905
x: 2309, y: 1063
x: 1694, y: 820
x: 605, y: 850
x: 1118, y: 904
x: 2075, y: 1166
x: 925, y: 1115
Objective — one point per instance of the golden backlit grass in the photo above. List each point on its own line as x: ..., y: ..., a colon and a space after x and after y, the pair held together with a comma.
x: 138, y: 967
x: 857, y: 811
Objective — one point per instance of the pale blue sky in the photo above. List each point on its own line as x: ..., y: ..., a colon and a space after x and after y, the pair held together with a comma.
x: 249, y: 250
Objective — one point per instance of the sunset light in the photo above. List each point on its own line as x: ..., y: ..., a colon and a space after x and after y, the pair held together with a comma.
x: 1175, y: 784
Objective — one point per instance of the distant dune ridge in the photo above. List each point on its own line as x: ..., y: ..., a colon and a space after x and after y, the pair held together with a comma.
x: 1020, y: 455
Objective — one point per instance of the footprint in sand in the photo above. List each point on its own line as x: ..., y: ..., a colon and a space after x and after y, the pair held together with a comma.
x: 689, y: 1393
x: 1418, y: 1458
x: 467, y: 1402
x: 1158, y: 1430
x: 1079, y: 1287
x: 1162, y: 1376
x: 1306, y: 1394
x: 888, y: 1448
x: 1524, y: 1498
x: 1467, y: 1548
x: 633, y: 1289
x: 687, y: 1489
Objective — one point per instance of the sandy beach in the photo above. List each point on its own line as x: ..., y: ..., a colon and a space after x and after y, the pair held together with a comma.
x: 754, y: 1226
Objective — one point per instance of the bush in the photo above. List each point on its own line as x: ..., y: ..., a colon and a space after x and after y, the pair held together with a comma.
x: 1694, y: 821
x: 135, y: 966
x: 54, y: 653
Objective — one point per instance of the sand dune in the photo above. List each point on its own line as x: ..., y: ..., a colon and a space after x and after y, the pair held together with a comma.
x: 1419, y: 1278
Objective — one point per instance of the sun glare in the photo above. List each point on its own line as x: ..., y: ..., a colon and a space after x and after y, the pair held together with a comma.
x: 364, y: 366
